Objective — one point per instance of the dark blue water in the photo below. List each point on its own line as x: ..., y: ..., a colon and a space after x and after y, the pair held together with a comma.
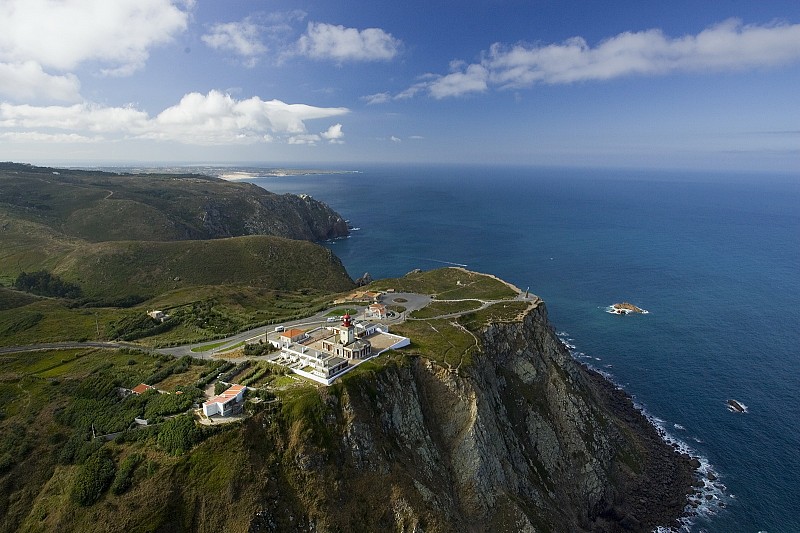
x: 715, y: 259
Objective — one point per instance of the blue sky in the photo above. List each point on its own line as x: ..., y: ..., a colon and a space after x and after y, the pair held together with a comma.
x: 696, y: 85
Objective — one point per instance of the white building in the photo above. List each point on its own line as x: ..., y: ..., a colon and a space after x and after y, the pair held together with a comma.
x: 324, y: 354
x: 226, y: 403
x: 313, y: 362
x: 157, y: 315
x: 292, y: 335
x: 344, y: 342
x: 376, y: 311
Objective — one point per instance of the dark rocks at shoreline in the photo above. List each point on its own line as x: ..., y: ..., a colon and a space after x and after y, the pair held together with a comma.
x: 668, y: 476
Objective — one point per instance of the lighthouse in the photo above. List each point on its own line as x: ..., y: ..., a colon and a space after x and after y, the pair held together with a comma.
x: 347, y: 331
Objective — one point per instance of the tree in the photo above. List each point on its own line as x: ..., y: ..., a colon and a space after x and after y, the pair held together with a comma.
x: 94, y: 477
x: 45, y: 283
x: 178, y: 435
x: 124, y: 478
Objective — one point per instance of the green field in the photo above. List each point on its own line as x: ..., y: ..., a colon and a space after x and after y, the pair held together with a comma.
x: 436, y: 308
x: 449, y: 284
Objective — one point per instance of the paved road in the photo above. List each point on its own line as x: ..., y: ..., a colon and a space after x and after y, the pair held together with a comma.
x: 410, y: 301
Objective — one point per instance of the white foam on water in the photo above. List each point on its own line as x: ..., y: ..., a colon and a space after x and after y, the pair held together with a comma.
x: 734, y: 410
x: 707, y: 500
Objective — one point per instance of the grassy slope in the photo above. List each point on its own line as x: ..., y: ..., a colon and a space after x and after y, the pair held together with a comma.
x: 102, y: 206
x: 451, y: 341
x: 29, y: 246
x: 168, y: 492
x: 47, y: 213
x: 150, y: 268
x: 449, y: 284
x: 72, y: 223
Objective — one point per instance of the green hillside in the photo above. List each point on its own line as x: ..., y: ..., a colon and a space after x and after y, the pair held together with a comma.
x: 103, y: 206
x: 123, y: 268
x: 219, y: 255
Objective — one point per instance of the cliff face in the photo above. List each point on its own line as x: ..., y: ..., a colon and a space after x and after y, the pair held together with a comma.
x: 524, y: 439
x: 259, y: 212
x: 104, y: 206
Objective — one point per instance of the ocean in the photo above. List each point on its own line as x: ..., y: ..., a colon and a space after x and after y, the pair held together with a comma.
x: 713, y: 258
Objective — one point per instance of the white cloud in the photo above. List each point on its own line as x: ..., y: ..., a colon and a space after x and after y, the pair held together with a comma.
x: 334, y: 134
x: 27, y: 82
x: 723, y: 47
x: 395, y: 139
x: 63, y: 34
x: 38, y: 137
x: 79, y: 118
x: 242, y: 38
x: 211, y: 119
x: 379, y: 98
x: 307, y: 138
x: 728, y: 46
x: 472, y: 79
x: 326, y: 41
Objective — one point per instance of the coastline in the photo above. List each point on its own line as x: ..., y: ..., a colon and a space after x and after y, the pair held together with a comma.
x: 669, y: 475
x: 244, y: 175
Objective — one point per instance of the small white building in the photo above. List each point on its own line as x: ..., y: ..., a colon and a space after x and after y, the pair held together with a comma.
x: 376, y: 311
x: 157, y: 315
x: 226, y: 403
x: 292, y: 335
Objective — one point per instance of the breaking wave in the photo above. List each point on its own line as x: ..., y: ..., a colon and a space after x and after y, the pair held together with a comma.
x: 710, y: 495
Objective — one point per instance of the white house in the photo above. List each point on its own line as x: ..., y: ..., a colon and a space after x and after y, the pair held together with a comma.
x: 292, y: 335
x: 226, y: 403
x: 157, y: 315
x: 376, y: 311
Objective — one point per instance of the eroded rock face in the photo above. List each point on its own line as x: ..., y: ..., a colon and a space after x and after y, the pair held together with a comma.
x: 366, y: 279
x: 293, y: 216
x: 525, y: 439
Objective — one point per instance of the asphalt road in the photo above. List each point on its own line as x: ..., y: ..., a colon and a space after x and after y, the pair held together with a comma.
x: 410, y: 301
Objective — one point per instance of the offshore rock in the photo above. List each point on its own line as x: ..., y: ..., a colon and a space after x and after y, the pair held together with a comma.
x: 366, y: 279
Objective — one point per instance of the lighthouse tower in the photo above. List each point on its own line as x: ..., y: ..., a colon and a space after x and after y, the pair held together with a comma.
x: 347, y: 331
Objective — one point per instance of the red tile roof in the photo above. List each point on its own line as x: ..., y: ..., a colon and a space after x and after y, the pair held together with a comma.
x: 226, y: 396
x: 141, y: 388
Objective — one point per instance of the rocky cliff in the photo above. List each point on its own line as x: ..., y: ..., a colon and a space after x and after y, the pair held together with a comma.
x: 522, y: 439
x: 105, y: 206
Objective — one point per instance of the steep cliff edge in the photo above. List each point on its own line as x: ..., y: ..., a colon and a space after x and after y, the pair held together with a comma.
x: 521, y: 439
x: 105, y: 206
